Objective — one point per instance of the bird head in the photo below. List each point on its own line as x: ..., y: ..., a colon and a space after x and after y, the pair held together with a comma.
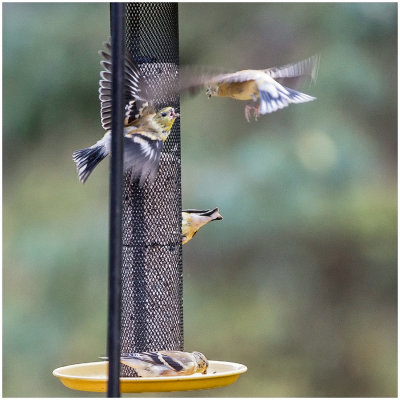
x: 202, y: 362
x: 212, y: 91
x: 166, y: 118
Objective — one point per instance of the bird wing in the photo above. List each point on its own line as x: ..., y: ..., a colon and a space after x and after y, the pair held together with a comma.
x: 306, y: 69
x: 239, y: 76
x: 134, y: 88
x: 137, y: 111
x: 195, y: 211
x: 193, y: 78
x: 142, y: 155
x: 205, y: 213
x: 156, y: 359
x: 181, y: 361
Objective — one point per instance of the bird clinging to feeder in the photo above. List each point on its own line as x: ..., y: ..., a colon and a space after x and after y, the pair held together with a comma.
x: 145, y: 128
x: 193, y: 220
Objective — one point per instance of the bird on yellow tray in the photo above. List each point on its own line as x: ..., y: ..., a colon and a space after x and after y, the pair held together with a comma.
x: 193, y: 220
x: 145, y: 129
x: 165, y: 363
x: 257, y: 84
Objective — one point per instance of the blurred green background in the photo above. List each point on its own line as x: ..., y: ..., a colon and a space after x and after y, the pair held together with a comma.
x: 298, y: 282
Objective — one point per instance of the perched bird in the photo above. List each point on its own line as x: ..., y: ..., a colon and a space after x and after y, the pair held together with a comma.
x: 193, y: 220
x: 145, y: 129
x: 257, y: 84
x: 165, y: 363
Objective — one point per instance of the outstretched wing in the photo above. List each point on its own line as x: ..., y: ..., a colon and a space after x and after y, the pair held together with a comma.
x: 142, y: 156
x: 193, y: 78
x: 303, y: 70
x: 137, y: 109
x: 132, y: 84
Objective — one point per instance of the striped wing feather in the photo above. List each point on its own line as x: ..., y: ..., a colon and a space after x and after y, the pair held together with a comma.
x: 142, y: 157
x: 132, y: 83
x: 159, y: 363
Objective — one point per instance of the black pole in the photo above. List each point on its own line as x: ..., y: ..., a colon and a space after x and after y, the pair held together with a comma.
x: 115, y: 249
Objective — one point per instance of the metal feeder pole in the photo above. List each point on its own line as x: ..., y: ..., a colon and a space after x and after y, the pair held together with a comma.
x: 115, y: 239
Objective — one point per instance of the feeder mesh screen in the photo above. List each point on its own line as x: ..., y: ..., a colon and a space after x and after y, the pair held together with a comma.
x: 152, y: 283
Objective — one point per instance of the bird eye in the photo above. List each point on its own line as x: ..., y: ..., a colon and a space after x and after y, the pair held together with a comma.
x: 163, y: 114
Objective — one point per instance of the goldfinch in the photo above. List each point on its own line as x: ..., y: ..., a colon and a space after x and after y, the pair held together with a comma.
x: 193, y: 220
x: 145, y: 129
x: 165, y: 363
x: 258, y: 84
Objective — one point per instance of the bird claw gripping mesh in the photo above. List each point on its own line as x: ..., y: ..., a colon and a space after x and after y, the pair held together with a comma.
x: 152, y: 276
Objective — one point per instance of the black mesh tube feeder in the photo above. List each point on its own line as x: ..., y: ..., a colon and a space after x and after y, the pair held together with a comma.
x: 145, y: 277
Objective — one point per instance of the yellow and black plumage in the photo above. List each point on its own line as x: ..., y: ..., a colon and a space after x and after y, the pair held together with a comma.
x: 165, y: 363
x: 145, y: 128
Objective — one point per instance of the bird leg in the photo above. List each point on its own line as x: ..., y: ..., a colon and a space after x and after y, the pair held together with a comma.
x: 251, y: 109
x: 256, y: 112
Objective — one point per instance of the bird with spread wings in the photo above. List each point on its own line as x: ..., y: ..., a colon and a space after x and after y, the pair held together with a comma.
x: 145, y: 128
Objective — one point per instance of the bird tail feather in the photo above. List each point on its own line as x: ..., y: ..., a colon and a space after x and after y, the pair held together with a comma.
x: 87, y: 159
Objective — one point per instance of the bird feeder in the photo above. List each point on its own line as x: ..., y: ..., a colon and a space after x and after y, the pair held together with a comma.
x: 150, y: 277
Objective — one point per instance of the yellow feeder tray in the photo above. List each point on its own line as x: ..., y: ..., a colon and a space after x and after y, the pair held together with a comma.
x: 92, y: 377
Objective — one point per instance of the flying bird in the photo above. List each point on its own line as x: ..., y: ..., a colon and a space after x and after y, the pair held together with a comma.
x: 256, y: 85
x: 145, y: 128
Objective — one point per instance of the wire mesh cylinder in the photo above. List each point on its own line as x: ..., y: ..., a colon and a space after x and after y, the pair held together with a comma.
x: 152, y: 283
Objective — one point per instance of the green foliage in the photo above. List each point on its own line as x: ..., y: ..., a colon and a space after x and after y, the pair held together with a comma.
x: 298, y: 281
